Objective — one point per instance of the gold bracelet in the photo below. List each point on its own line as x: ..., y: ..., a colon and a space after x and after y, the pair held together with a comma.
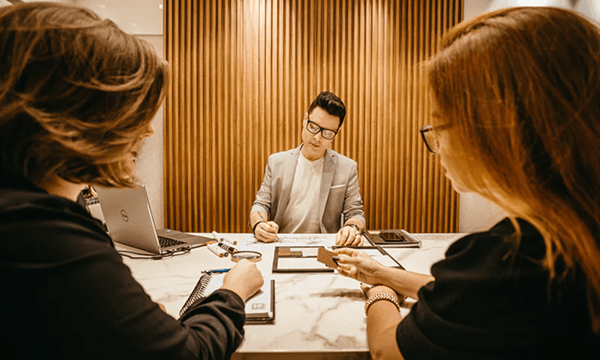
x: 381, y: 296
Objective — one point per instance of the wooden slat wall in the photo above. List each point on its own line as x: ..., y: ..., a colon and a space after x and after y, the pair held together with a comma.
x: 244, y: 73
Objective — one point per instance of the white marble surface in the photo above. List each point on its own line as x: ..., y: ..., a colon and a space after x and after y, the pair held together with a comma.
x: 317, y: 315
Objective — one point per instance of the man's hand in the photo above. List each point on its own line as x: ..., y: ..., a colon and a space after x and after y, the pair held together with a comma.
x: 348, y: 236
x: 266, y: 231
x: 359, y: 265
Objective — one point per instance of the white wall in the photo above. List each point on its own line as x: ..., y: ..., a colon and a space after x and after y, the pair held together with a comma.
x: 143, y: 18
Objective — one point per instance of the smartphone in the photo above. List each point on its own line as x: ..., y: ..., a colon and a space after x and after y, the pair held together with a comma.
x: 391, y: 237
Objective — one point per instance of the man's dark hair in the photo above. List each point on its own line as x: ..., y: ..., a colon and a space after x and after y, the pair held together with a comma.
x: 329, y: 102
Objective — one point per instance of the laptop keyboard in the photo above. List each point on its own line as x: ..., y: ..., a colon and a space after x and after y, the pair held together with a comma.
x: 165, y: 242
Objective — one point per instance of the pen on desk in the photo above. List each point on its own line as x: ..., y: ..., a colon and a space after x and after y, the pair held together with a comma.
x: 216, y: 250
x: 227, y: 248
x: 410, y: 237
x: 219, y: 238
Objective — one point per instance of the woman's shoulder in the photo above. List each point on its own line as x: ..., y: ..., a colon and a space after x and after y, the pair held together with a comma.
x: 503, y: 236
x: 36, y: 222
x: 499, y: 250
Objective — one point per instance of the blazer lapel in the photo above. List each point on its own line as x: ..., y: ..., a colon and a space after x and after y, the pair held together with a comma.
x: 329, y: 165
x: 286, y: 186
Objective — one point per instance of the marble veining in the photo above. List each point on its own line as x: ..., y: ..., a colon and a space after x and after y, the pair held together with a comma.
x: 317, y: 315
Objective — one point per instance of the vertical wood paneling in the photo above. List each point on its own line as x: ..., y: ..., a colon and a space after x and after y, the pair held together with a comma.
x: 244, y: 73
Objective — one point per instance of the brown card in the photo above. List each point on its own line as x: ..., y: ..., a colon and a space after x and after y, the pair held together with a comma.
x: 326, y: 257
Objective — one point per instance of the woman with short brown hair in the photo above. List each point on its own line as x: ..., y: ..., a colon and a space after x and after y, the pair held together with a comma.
x: 77, y: 97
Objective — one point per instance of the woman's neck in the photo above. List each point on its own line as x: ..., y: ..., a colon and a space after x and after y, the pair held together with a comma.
x: 60, y: 187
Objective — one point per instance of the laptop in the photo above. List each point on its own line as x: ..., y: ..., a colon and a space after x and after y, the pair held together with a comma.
x: 129, y: 220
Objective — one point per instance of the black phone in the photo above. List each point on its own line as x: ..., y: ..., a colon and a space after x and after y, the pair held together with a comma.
x: 391, y: 237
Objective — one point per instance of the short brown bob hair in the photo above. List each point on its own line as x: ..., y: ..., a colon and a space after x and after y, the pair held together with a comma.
x: 76, y: 92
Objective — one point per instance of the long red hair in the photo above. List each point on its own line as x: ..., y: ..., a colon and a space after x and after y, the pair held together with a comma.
x: 520, y: 89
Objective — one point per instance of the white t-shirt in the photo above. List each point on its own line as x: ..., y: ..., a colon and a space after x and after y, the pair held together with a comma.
x: 302, y: 212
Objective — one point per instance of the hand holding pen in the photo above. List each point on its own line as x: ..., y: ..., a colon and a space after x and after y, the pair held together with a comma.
x: 266, y: 231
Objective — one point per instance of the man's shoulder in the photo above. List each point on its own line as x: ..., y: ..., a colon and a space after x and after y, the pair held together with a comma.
x: 282, y: 155
x: 342, y: 159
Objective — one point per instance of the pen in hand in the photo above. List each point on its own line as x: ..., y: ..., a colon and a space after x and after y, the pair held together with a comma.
x: 262, y: 217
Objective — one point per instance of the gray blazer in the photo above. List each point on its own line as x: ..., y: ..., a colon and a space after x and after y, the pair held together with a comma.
x: 339, y: 193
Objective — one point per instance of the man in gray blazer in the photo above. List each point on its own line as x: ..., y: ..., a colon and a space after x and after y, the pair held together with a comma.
x: 311, y: 189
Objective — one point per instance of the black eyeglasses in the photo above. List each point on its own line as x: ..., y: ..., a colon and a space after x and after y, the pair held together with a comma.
x: 430, y: 138
x: 315, y: 129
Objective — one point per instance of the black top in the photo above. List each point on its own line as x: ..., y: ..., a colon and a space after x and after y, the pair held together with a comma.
x: 491, y: 299
x: 67, y: 294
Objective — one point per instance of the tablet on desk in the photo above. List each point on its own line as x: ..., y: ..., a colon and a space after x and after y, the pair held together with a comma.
x: 396, y: 238
x: 391, y: 236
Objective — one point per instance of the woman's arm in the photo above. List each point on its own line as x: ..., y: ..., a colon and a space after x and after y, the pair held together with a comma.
x: 383, y: 318
x: 404, y: 282
x: 362, y: 267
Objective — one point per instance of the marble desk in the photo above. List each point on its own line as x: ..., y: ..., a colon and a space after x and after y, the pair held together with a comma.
x: 317, y: 315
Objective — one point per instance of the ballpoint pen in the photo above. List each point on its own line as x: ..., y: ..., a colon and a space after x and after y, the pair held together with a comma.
x: 215, y: 271
x: 219, y: 238
x: 227, y: 248
x: 217, y: 250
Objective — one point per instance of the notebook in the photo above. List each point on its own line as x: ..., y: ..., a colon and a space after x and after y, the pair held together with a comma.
x: 129, y: 221
x: 260, y: 308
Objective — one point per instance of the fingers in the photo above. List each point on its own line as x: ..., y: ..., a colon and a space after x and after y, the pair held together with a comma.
x: 269, y: 227
x: 347, y: 270
x: 350, y: 260
x: 339, y: 237
x: 345, y: 236
x: 266, y: 231
x: 357, y: 241
x: 244, y: 279
x: 274, y: 225
x: 365, y: 288
x: 351, y: 252
x: 346, y: 251
x: 348, y: 236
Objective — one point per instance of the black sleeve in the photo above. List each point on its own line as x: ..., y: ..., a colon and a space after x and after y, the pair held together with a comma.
x: 73, y: 297
x: 490, y: 300
x: 211, y: 329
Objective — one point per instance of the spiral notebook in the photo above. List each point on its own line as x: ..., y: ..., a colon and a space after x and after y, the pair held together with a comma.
x: 260, y: 308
